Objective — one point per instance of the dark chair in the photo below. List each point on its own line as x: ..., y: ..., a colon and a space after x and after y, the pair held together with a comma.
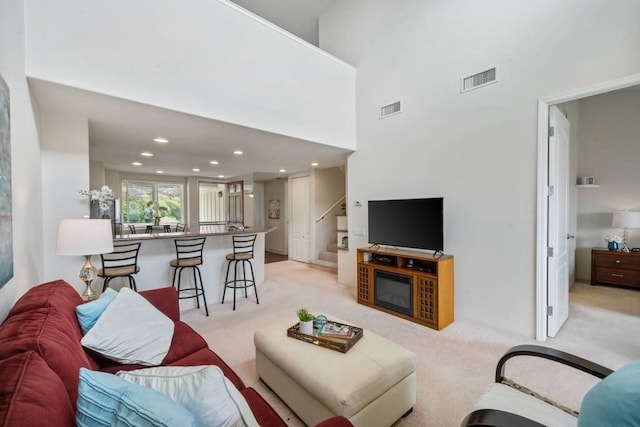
x: 132, y: 229
x: 243, y: 254
x: 122, y: 262
x: 181, y: 227
x: 189, y: 255
x: 507, y: 403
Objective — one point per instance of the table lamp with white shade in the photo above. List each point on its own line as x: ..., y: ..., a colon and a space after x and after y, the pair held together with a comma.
x: 85, y: 237
x: 626, y: 220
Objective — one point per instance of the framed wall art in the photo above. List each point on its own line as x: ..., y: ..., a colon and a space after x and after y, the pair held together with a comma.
x: 6, y: 232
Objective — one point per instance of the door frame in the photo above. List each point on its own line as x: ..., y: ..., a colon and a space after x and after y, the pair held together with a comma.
x: 542, y: 217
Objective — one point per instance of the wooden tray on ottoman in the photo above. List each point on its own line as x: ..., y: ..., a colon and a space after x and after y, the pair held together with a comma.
x: 341, y: 344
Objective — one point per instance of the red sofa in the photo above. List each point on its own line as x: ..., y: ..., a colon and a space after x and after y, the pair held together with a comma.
x: 41, y: 355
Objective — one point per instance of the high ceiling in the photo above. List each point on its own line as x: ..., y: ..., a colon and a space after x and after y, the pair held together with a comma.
x: 119, y: 130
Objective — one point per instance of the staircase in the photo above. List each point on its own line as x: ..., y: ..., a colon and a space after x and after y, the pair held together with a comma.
x: 327, y: 260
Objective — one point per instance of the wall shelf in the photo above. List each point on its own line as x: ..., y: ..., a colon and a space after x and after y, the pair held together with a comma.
x: 588, y: 186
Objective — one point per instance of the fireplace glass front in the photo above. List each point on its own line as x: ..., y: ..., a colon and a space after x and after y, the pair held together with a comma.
x: 394, y: 291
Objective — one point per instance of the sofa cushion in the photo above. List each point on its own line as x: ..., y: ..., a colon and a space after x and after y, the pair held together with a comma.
x: 264, y: 413
x: 206, y: 356
x: 57, y: 294
x: 106, y: 400
x: 164, y: 299
x: 203, y: 390
x: 46, y: 331
x: 22, y: 401
x: 506, y: 398
x: 89, y: 313
x: 614, y: 401
x: 185, y: 341
x: 131, y: 330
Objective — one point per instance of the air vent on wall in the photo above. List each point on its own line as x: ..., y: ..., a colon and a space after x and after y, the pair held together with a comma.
x: 475, y: 81
x: 391, y: 109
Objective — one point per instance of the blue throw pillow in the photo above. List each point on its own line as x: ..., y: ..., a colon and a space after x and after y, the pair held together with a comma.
x: 107, y: 400
x: 89, y: 313
x: 614, y: 401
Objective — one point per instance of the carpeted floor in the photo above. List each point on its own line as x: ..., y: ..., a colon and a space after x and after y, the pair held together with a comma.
x: 454, y: 366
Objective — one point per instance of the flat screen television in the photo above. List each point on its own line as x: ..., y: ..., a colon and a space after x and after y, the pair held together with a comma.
x: 409, y: 223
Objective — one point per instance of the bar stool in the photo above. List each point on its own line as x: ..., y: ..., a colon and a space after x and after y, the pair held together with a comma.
x: 242, y: 253
x: 122, y: 262
x: 189, y: 255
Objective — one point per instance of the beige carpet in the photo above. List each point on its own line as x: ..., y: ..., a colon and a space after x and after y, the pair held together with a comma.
x: 454, y: 366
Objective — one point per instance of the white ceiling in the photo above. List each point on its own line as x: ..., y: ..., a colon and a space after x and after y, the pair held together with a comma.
x: 119, y: 130
x: 299, y: 17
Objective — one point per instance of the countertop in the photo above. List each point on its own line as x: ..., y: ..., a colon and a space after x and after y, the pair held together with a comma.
x: 209, y: 230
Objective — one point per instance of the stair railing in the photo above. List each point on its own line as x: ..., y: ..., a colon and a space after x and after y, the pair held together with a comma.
x: 325, y: 213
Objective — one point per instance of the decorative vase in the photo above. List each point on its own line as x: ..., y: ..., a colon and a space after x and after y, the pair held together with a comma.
x: 613, y: 246
x: 306, y: 327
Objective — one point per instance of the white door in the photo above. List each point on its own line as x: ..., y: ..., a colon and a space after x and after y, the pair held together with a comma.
x: 300, y: 218
x: 558, y: 259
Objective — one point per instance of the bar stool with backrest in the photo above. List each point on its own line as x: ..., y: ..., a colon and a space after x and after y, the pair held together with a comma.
x: 181, y: 227
x: 189, y: 255
x: 122, y: 262
x: 243, y: 254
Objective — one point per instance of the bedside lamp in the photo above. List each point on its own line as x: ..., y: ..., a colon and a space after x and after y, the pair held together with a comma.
x: 626, y: 220
x: 85, y: 237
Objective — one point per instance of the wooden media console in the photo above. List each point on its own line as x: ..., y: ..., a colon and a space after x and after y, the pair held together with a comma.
x: 408, y: 284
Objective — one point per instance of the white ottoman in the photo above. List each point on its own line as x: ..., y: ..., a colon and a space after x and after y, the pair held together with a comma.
x: 373, y: 384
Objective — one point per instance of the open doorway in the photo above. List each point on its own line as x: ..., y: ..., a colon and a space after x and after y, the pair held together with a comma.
x: 544, y: 251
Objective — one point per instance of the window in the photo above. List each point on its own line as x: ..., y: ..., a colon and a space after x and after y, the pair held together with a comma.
x: 142, y: 202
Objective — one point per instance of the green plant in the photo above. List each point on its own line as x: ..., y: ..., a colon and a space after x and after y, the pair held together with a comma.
x: 304, y: 315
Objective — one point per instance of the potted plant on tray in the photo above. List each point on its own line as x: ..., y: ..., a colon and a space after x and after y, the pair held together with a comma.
x: 306, y: 321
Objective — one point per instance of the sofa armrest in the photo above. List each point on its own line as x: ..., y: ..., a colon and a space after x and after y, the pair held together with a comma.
x: 338, y: 421
x: 165, y: 300
x: 548, y: 353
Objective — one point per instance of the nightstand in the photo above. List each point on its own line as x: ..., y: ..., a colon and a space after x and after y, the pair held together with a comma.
x: 615, y: 268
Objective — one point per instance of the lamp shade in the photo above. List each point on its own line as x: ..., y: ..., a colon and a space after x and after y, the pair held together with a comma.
x: 626, y: 219
x: 84, y: 237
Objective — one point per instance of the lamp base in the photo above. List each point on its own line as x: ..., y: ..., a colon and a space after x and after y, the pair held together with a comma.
x: 87, y: 274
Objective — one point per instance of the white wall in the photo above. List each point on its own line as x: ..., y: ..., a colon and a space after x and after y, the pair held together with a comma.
x: 65, y: 171
x: 25, y: 165
x: 477, y: 149
x: 204, y: 57
x: 609, y: 151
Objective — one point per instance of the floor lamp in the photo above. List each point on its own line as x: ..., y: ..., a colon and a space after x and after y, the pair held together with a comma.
x: 626, y: 220
x: 85, y: 237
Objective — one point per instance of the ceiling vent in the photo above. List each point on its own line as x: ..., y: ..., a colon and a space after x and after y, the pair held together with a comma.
x: 390, y: 110
x: 475, y: 81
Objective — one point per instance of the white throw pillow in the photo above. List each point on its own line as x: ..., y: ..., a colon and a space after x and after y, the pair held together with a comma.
x: 131, y: 330
x: 203, y: 390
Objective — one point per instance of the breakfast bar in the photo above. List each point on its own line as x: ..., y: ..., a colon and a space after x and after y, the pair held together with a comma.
x: 158, y: 249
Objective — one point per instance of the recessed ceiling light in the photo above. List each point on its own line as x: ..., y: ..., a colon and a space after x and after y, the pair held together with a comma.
x: 195, y: 170
x: 136, y: 164
x: 146, y: 154
x: 220, y: 176
x: 161, y: 140
x: 159, y: 171
x: 283, y: 170
x: 214, y: 162
x: 314, y: 164
x: 238, y: 153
